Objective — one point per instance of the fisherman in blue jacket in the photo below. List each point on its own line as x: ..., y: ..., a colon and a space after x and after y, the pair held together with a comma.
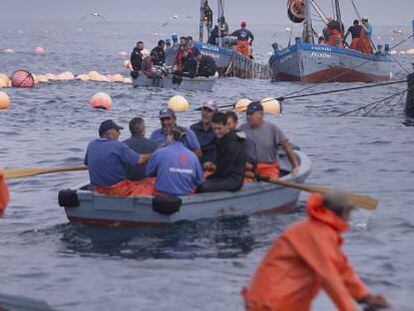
x: 176, y: 168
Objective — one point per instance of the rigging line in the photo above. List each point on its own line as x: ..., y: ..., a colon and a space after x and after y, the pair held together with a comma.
x: 356, y: 10
x: 401, y: 65
x: 373, y: 103
x: 382, y: 103
x: 401, y: 42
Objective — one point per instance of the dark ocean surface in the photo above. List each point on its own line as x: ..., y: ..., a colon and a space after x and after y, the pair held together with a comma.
x: 191, y: 266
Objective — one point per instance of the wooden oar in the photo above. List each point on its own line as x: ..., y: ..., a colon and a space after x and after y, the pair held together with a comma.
x: 362, y: 201
x: 33, y: 171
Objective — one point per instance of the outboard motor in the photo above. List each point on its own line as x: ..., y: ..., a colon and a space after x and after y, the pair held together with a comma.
x: 296, y: 11
x: 68, y: 198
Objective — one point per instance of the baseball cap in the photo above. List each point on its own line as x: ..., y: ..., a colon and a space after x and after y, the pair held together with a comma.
x: 108, y: 125
x: 167, y: 113
x: 254, y: 106
x: 210, y: 105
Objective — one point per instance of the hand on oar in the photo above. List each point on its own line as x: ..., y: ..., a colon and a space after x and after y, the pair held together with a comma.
x: 362, y: 201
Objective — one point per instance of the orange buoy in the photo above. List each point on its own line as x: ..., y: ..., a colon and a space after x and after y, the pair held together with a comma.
x: 35, y: 79
x: 101, y: 100
x: 22, y: 78
x: 117, y: 78
x: 4, y: 101
x: 4, y: 80
x: 94, y: 76
x: 271, y: 105
x: 8, y: 51
x: 82, y: 77
x: 242, y: 104
x: 39, y: 50
x: 42, y: 79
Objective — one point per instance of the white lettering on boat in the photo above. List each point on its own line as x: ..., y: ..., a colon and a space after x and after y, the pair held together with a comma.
x: 322, y: 55
x: 181, y: 170
x: 321, y: 48
x: 285, y: 58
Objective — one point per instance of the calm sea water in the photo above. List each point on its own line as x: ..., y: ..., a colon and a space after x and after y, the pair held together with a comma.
x: 192, y: 266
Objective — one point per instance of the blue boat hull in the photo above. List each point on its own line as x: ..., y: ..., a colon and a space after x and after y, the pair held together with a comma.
x: 321, y: 63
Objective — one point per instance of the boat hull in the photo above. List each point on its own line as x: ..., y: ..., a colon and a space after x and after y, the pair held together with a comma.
x: 229, y: 63
x: 253, y: 198
x: 321, y: 63
x: 189, y: 84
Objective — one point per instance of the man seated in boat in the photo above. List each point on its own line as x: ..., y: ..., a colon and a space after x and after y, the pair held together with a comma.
x: 106, y: 158
x: 191, y: 47
x: 168, y: 121
x: 187, y: 64
x: 355, y: 31
x: 159, y: 53
x: 177, y: 169
x: 135, y: 59
x: 139, y: 144
x: 244, y: 39
x: 229, y: 166
x: 206, y: 66
x: 262, y: 143
x: 148, y: 68
x: 308, y: 257
x: 204, y: 133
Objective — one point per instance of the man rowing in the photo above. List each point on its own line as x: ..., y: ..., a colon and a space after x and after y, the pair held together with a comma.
x: 204, y: 133
x: 168, y: 121
x: 262, y: 143
x: 177, y: 169
x: 230, y: 164
x: 307, y: 257
x: 106, y: 158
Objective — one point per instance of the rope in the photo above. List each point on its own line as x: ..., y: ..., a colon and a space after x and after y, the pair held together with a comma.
x: 401, y: 65
x: 373, y: 103
x: 402, y: 41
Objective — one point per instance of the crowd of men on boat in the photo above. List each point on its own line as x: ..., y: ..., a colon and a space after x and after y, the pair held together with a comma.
x: 188, y: 60
x: 212, y: 155
x: 334, y: 35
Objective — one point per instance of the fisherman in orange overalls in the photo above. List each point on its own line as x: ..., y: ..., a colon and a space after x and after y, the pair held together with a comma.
x: 4, y: 193
x: 244, y: 39
x: 307, y: 257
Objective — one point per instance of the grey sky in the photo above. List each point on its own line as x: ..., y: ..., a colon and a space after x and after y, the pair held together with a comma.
x: 381, y: 12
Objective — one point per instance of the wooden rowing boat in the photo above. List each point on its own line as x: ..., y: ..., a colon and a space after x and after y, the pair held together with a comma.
x: 84, y: 206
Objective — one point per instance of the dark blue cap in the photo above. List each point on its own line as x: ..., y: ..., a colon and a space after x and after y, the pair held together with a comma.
x: 254, y: 106
x: 108, y: 125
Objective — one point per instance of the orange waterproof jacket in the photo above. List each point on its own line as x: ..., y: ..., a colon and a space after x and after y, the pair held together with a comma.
x: 4, y: 193
x: 306, y: 257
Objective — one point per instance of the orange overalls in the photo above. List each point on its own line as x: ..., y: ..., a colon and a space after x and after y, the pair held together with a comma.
x: 4, y: 193
x: 129, y: 188
x: 243, y: 47
x: 305, y: 258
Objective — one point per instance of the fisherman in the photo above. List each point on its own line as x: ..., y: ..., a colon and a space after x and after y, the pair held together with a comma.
x: 136, y: 59
x: 148, y: 65
x: 139, y: 144
x: 230, y: 165
x: 4, y: 193
x: 214, y: 34
x: 335, y: 39
x: 208, y: 16
x: 106, y: 158
x: 307, y: 257
x: 159, y: 53
x: 187, y: 65
x: 193, y: 50
x: 262, y: 143
x: 168, y: 122
x: 224, y: 27
x: 179, y: 56
x: 206, y: 66
x: 327, y: 30
x: 355, y: 31
x: 232, y: 119
x: 204, y: 133
x: 365, y: 37
x: 176, y: 168
x: 244, y: 39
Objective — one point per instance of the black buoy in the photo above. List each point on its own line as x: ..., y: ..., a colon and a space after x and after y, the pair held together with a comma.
x: 409, y: 104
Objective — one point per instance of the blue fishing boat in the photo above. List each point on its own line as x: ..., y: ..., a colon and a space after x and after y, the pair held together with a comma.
x: 308, y: 62
x: 229, y: 62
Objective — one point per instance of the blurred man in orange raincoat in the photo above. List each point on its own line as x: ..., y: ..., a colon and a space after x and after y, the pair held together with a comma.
x: 4, y: 193
x: 307, y: 257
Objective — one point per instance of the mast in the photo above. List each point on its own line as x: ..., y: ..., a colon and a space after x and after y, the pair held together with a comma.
x: 338, y: 14
x: 201, y: 26
x: 308, y: 23
x: 220, y: 14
